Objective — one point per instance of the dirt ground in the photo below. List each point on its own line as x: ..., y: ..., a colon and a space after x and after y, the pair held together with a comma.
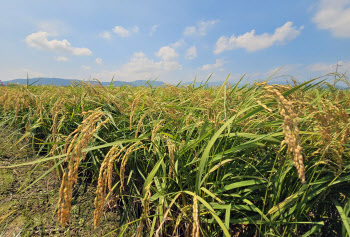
x: 33, y: 212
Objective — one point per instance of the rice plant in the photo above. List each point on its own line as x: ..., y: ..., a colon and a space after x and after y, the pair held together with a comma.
x: 254, y: 159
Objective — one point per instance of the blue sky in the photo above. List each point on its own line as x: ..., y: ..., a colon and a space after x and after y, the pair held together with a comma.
x: 173, y: 40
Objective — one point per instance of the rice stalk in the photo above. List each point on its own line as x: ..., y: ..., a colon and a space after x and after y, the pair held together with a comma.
x: 74, y: 156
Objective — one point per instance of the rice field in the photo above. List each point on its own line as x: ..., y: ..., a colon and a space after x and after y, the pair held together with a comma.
x: 236, y: 160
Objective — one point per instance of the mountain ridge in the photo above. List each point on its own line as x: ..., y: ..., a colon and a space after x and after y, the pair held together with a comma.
x: 66, y: 82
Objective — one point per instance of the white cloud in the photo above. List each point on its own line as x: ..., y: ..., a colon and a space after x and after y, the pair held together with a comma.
x: 153, y: 29
x: 178, y: 43
x: 252, y: 42
x: 98, y: 60
x: 218, y: 64
x: 140, y: 67
x: 39, y: 40
x: 85, y: 67
x: 201, y: 28
x: 190, y: 30
x: 61, y: 59
x: 334, y: 15
x: 140, y: 63
x: 121, y: 31
x: 106, y: 35
x: 329, y: 68
x: 167, y: 53
x: 191, y: 53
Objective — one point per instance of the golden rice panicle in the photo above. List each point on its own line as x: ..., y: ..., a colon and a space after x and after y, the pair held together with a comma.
x: 39, y: 107
x: 102, y: 186
x: 100, y: 194
x: 55, y: 111
x: 155, y: 129
x: 145, y: 200
x: 332, y: 121
x: 188, y: 118
x: 171, y: 150
x: 104, y: 181
x: 133, y: 108
x: 82, y: 102
x: 290, y: 131
x: 195, y: 227
x: 264, y: 106
x: 122, y: 170
x: 4, y: 97
x: 74, y: 154
x: 155, y: 132
x: 140, y: 123
x: 181, y: 145
x: 17, y: 105
x: 113, y: 157
x: 124, y: 161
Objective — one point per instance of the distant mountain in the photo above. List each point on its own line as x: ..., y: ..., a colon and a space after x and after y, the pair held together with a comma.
x: 66, y: 82
x: 42, y: 81
x: 278, y: 82
x: 209, y: 83
x: 143, y: 82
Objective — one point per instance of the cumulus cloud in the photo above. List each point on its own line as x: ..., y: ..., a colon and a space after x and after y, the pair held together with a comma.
x: 122, y: 32
x: 201, y: 28
x: 106, y: 35
x: 61, y: 59
x: 329, y: 68
x: 40, y: 40
x: 167, y: 53
x: 178, y: 43
x: 140, y: 63
x: 98, y: 60
x: 140, y: 67
x: 252, y: 42
x: 191, y: 53
x: 85, y: 67
x: 334, y: 15
x: 218, y: 64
